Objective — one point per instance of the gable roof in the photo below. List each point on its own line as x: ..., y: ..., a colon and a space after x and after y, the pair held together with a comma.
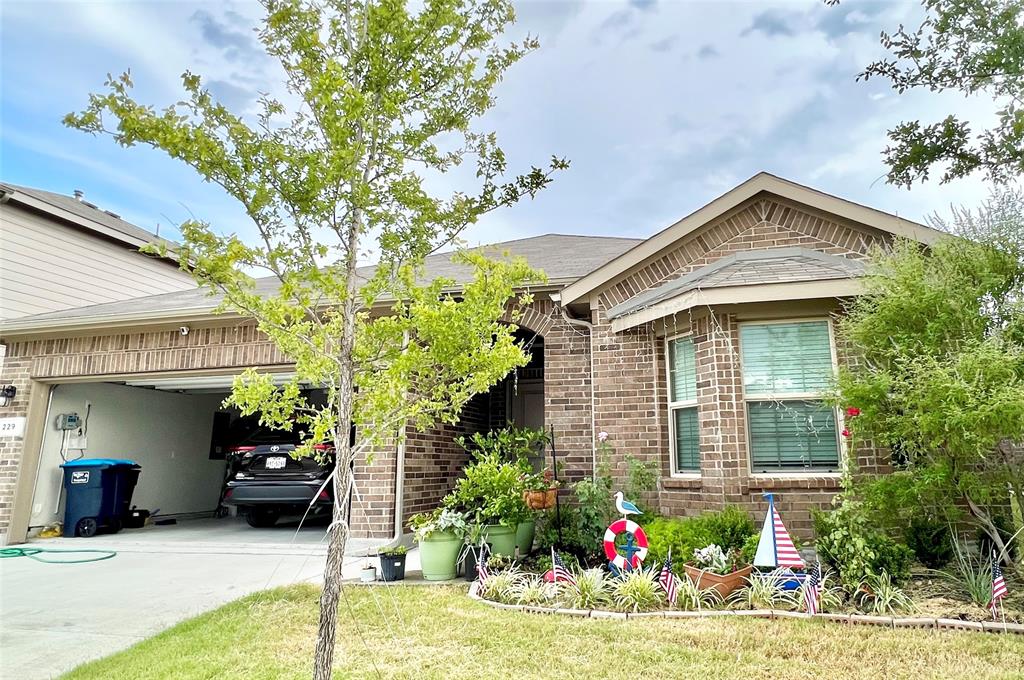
x: 762, y: 182
x: 84, y: 215
x: 749, y: 268
x: 563, y: 257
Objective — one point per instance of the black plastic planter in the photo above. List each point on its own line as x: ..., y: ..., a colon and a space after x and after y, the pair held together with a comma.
x: 469, y: 561
x: 392, y: 567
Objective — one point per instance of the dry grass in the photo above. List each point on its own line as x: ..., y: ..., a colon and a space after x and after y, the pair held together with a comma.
x: 437, y: 632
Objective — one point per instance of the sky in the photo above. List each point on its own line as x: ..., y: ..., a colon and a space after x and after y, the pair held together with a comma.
x: 659, y: 106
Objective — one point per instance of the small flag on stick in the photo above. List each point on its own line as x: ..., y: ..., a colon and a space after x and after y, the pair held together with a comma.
x: 812, y: 591
x: 668, y: 580
x: 558, y: 569
x: 481, y: 565
x: 998, y: 585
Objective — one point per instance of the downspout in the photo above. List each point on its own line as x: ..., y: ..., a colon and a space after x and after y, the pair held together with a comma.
x: 396, y: 538
x: 399, y: 486
x: 593, y: 412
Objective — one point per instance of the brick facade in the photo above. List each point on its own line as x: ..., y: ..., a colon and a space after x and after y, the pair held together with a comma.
x: 622, y: 374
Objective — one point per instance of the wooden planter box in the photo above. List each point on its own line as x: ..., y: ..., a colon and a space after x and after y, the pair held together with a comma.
x: 723, y: 584
x: 543, y: 499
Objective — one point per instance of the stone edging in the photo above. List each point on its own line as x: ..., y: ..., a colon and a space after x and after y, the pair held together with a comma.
x: 849, y: 619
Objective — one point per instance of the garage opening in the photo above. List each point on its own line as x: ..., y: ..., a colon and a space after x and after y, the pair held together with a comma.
x: 188, y: 446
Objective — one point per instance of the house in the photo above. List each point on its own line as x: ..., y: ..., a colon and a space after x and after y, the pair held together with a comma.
x: 705, y: 349
x: 58, y: 252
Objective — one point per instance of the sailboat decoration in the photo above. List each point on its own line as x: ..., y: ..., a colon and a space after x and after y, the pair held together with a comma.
x: 776, y: 549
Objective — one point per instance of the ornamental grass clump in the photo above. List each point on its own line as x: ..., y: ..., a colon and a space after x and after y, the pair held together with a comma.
x: 503, y: 586
x: 592, y: 590
x: 637, y: 591
x: 971, y: 573
x: 691, y: 597
x: 830, y: 596
x: 534, y: 590
x: 879, y: 594
x: 764, y: 592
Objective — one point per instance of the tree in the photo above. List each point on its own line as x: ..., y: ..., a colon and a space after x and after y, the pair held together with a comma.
x: 380, y: 100
x: 968, y: 46
x: 940, y: 335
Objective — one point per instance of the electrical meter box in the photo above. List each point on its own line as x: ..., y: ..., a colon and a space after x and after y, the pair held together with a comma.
x: 68, y: 421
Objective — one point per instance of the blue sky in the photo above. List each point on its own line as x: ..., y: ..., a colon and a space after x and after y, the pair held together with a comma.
x: 660, y: 106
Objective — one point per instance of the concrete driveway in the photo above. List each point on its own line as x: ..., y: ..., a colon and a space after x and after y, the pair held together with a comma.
x: 54, y: 617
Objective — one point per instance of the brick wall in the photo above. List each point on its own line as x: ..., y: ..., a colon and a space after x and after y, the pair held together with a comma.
x: 234, y: 346
x: 630, y: 372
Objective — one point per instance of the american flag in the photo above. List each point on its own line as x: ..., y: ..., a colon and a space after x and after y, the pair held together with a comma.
x: 559, y: 571
x: 481, y: 567
x: 998, y: 584
x: 812, y: 592
x: 668, y: 580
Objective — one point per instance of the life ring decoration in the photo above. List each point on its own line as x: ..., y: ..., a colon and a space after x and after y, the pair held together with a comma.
x: 635, y: 548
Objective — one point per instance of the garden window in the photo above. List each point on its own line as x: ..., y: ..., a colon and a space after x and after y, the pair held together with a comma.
x: 684, y: 433
x: 786, y: 370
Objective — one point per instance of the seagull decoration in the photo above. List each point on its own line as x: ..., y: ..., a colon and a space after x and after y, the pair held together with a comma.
x: 625, y: 507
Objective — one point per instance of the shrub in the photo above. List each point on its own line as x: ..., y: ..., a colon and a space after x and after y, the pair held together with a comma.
x: 573, y: 542
x: 931, y: 541
x: 849, y: 543
x: 490, y: 491
x: 637, y: 591
x: 749, y: 549
x: 730, y: 529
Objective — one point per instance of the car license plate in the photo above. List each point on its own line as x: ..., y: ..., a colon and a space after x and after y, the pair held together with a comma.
x: 276, y: 463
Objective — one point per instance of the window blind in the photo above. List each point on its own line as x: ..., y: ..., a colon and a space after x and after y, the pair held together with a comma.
x: 786, y: 358
x: 682, y: 366
x: 792, y: 435
x: 687, y: 433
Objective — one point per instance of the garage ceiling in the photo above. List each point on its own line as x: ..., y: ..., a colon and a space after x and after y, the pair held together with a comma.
x: 195, y: 383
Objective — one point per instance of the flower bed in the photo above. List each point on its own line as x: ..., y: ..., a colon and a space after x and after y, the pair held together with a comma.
x: 774, y: 614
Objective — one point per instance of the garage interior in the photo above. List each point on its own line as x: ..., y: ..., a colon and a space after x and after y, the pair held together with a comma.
x: 176, y: 429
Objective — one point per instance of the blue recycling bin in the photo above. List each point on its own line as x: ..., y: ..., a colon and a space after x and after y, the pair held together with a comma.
x: 98, y: 494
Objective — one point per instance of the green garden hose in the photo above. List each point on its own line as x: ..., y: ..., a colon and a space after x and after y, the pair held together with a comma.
x: 34, y: 553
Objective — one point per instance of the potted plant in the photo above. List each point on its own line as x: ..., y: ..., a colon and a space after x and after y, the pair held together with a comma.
x: 491, y: 494
x: 541, y: 490
x: 439, y: 534
x: 715, y: 568
x: 368, y: 574
x: 476, y: 548
x: 392, y: 563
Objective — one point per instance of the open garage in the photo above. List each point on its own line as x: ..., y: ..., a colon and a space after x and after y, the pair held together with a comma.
x: 186, y: 443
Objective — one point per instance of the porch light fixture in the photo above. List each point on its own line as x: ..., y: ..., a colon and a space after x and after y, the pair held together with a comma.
x: 7, y: 393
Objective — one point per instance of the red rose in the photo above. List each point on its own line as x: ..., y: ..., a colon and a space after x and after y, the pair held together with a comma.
x: 852, y: 412
x: 846, y: 433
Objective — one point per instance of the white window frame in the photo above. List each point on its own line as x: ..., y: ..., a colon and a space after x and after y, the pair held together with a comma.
x: 674, y: 472
x: 841, y: 451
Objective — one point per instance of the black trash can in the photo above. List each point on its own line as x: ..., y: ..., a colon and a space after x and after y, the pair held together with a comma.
x: 99, y: 494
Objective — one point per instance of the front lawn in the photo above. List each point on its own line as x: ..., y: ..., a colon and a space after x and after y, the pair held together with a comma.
x: 437, y: 632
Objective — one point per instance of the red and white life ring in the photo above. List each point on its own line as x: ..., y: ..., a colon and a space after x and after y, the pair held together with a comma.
x: 629, y: 526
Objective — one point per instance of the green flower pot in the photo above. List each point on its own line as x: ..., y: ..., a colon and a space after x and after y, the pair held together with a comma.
x: 438, y: 553
x: 501, y: 538
x: 524, y: 537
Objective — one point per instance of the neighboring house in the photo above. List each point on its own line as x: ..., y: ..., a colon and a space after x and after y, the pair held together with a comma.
x: 705, y: 349
x: 58, y: 252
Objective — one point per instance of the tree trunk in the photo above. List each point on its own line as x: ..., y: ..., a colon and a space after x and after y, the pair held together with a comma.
x: 323, y: 658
